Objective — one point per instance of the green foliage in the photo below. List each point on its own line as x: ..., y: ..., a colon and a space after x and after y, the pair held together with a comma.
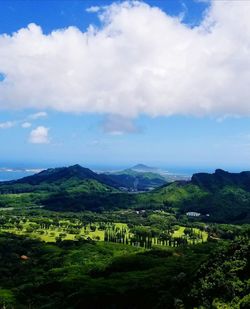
x: 80, y: 272
x: 7, y: 299
x: 78, y: 201
x: 101, y: 275
x: 245, y: 302
x: 224, y: 277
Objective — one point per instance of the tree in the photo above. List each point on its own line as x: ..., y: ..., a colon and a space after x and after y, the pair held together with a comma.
x: 7, y: 299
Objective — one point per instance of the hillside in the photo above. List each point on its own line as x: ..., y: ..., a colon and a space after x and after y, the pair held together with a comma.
x: 221, y: 196
x: 215, y: 201
x: 78, y: 178
x: 73, y: 178
x: 217, y: 197
x: 135, y: 180
x: 220, y: 179
x: 149, y: 177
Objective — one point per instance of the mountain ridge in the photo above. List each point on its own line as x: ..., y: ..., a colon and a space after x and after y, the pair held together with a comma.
x: 61, y: 177
x: 71, y: 175
x: 224, y: 196
x: 221, y: 178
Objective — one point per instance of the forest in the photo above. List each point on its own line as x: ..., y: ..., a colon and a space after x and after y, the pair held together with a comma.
x: 67, y: 241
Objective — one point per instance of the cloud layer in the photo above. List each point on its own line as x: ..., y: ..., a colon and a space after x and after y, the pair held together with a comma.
x: 140, y: 61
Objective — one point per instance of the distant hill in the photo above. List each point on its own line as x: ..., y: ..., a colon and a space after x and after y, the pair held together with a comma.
x: 143, y: 168
x: 141, y: 177
x: 221, y: 196
x: 217, y: 197
x: 60, y: 174
x: 167, y: 176
x: 73, y: 178
x: 77, y: 178
x: 138, y: 178
x: 220, y: 179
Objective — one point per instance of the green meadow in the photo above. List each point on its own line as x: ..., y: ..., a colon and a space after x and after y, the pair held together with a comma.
x: 52, y: 231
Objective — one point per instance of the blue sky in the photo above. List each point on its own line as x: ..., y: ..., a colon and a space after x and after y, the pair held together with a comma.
x: 42, y: 130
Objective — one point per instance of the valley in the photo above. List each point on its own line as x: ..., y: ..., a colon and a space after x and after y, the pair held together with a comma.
x: 71, y: 238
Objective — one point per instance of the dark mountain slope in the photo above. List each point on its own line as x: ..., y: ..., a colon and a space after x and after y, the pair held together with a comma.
x: 221, y: 196
x: 58, y: 174
x: 64, y: 178
x: 220, y: 179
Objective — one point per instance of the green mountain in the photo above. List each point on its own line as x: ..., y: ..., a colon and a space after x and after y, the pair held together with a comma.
x: 134, y: 180
x: 78, y: 178
x: 73, y: 178
x: 220, y: 179
x: 148, y: 177
x: 217, y: 197
x: 221, y: 196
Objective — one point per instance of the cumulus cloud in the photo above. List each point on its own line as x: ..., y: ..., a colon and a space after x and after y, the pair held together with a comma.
x: 140, y: 60
x: 40, y: 135
x: 119, y: 125
x: 7, y: 124
x: 26, y: 125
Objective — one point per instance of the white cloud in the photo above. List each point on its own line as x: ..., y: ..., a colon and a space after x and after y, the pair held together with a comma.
x: 26, y: 125
x: 7, y: 124
x: 40, y: 135
x: 23, y: 123
x: 93, y: 9
x: 37, y: 115
x: 140, y: 61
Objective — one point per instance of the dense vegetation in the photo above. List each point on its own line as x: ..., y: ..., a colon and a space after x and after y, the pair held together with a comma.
x: 220, y: 197
x: 69, y: 238
x: 89, y: 274
x: 157, y: 229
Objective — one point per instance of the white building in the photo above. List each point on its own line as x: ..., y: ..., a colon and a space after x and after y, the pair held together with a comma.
x: 193, y: 214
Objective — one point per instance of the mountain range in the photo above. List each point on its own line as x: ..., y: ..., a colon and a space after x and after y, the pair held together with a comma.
x: 221, y: 196
x: 80, y: 178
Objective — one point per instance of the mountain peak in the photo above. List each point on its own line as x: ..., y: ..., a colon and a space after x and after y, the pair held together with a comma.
x: 60, y: 174
x: 75, y: 166
x: 219, y: 171
x: 142, y: 167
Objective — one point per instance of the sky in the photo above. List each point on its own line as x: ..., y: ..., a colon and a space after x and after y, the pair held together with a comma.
x: 112, y: 84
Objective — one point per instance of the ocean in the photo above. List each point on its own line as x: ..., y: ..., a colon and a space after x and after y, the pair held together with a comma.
x: 12, y: 174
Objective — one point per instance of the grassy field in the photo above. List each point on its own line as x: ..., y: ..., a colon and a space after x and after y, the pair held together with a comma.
x: 73, y: 230
x: 180, y: 233
x: 52, y: 233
